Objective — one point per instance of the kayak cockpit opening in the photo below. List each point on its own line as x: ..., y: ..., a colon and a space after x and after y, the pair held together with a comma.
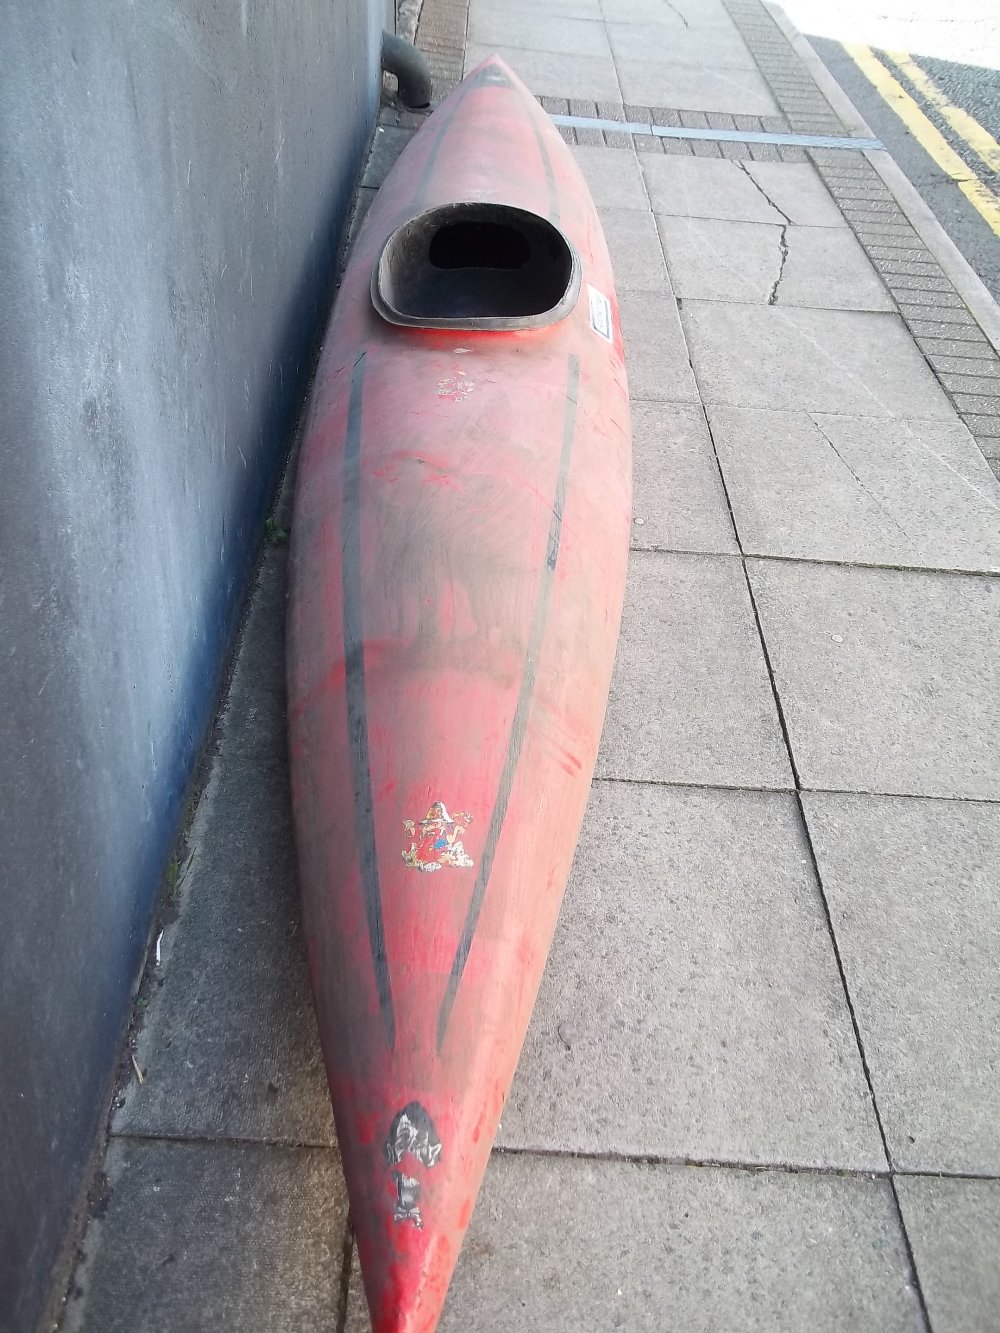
x: 476, y: 266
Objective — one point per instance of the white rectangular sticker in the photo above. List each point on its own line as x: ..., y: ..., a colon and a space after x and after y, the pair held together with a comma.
x: 600, y: 313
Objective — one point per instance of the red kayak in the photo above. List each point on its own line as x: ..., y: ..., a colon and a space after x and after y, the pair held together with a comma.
x: 459, y: 547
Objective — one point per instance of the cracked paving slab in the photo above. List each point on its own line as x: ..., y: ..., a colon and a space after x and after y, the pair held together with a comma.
x: 772, y: 296
x: 742, y: 166
x: 765, y: 264
x: 738, y: 191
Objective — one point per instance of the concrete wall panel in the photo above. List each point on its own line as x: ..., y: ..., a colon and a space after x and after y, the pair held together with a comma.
x: 173, y: 177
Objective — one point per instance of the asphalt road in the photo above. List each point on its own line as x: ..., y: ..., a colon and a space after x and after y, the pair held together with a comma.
x: 956, y: 47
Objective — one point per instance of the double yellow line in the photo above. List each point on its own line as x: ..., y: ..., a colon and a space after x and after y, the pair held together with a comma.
x: 930, y: 138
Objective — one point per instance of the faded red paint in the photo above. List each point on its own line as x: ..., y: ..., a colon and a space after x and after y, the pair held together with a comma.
x: 450, y: 576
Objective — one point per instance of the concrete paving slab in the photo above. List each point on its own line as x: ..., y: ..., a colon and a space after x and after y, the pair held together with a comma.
x: 824, y: 267
x: 581, y: 9
x: 707, y: 188
x: 676, y: 17
x: 656, y: 355
x: 739, y: 191
x: 636, y: 254
x: 954, y: 1229
x: 613, y: 177
x: 664, y: 83
x: 229, y: 1046
x: 711, y: 260
x: 858, y: 489
x: 691, y: 700
x: 679, y: 502
x: 692, y: 1009
x: 912, y: 888
x: 213, y: 1236
x: 549, y: 73
x: 838, y: 361
x: 716, y: 46
x: 647, y: 1248
x: 798, y: 191
x: 695, y: 13
x: 538, y: 31
x: 887, y: 678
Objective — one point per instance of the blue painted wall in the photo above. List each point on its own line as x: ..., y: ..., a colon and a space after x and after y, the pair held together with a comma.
x: 173, y: 179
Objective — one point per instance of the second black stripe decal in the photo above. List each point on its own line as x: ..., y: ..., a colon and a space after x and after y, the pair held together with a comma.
x: 522, y: 710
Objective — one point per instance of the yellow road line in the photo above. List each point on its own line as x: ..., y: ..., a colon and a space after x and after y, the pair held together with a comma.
x: 930, y: 138
x: 965, y: 126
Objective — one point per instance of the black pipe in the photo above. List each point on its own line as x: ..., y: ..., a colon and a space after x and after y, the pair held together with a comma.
x: 411, y: 69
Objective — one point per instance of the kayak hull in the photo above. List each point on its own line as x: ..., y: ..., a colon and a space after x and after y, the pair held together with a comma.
x: 459, y: 543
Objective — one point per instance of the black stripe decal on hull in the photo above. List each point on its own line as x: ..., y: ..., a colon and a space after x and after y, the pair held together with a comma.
x: 357, y: 710
x: 427, y: 171
x: 550, y: 179
x: 446, y: 114
x: 522, y: 710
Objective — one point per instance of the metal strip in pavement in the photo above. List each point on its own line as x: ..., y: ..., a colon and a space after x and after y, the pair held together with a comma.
x: 719, y: 136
